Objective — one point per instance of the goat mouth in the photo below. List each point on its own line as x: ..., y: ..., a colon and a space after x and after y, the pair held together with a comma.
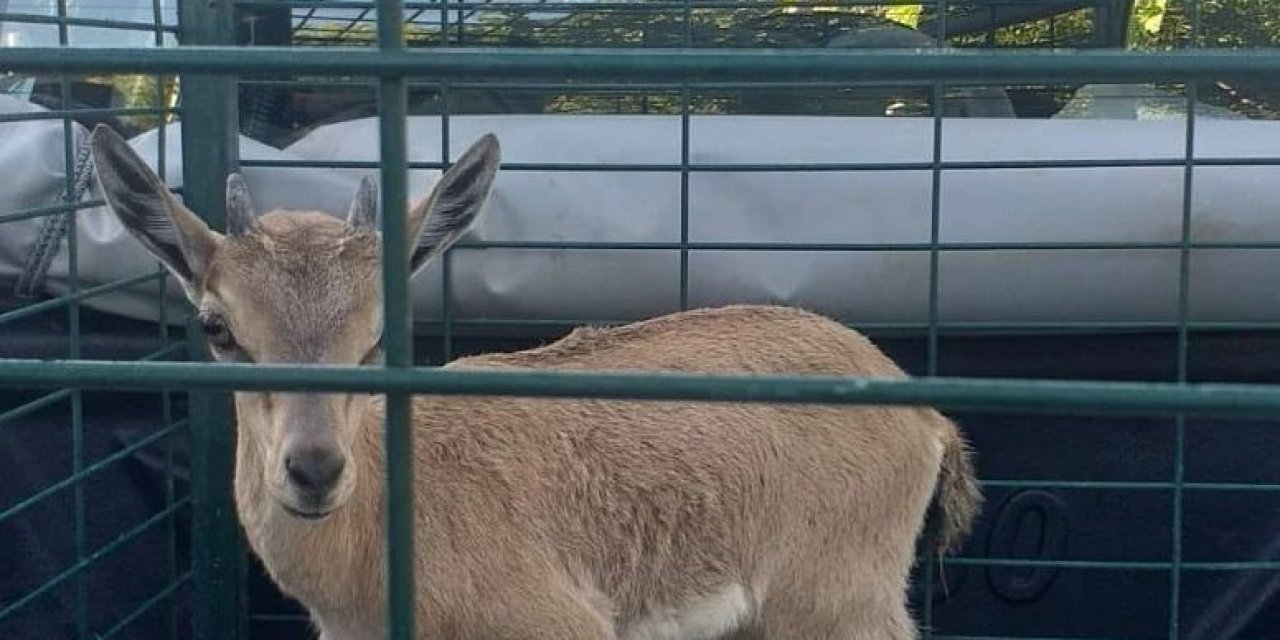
x: 305, y: 515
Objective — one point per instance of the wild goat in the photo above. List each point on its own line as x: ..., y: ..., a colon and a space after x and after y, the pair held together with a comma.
x: 553, y: 519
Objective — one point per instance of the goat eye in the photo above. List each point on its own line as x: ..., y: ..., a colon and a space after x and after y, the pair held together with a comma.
x: 215, y: 329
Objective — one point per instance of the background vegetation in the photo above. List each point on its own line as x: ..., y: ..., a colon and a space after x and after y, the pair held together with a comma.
x: 279, y: 115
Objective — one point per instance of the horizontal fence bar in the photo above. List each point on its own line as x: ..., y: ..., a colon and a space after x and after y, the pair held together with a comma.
x: 167, y: 592
x: 309, y: 33
x: 49, y: 210
x: 73, y: 113
x: 462, y: 63
x: 958, y: 326
x: 823, y: 167
x: 601, y: 86
x: 94, y: 557
x: 1122, y: 485
x: 950, y: 636
x: 101, y: 464
x: 427, y: 6
x: 827, y: 247
x: 939, y: 636
x: 955, y: 393
x: 98, y: 23
x: 82, y: 294
x: 607, y: 6
x: 946, y: 165
x: 28, y: 408
x: 1117, y: 565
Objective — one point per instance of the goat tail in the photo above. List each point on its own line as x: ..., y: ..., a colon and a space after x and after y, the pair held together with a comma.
x: 958, y: 496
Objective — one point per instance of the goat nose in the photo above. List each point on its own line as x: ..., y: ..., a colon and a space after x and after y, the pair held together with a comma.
x: 314, y: 469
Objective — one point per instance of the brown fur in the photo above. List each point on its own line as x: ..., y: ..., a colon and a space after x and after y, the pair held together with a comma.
x: 577, y: 519
x: 615, y: 508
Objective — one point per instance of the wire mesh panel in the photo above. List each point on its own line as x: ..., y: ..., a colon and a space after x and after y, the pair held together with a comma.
x: 981, y: 215
x: 94, y: 499
x: 1067, y: 294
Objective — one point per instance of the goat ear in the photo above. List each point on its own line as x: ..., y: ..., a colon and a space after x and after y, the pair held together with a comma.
x: 170, y: 231
x: 455, y: 202
x: 362, y: 213
x: 240, y: 209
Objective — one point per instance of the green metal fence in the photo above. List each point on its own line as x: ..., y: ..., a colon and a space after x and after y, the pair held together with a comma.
x: 450, y: 60
x: 72, y: 413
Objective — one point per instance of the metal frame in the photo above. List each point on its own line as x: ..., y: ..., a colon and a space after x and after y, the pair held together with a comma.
x: 210, y: 152
x: 173, y: 427
x: 209, y: 64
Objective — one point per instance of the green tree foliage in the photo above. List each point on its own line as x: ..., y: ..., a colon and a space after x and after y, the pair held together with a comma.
x: 1222, y: 24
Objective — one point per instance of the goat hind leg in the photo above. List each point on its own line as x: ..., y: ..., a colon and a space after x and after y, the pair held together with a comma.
x: 551, y: 615
x: 855, y: 614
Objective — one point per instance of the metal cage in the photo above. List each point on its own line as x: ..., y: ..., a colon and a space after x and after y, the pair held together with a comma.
x: 1125, y: 458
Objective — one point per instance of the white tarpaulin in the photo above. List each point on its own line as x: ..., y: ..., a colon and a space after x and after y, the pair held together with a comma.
x: 1064, y: 205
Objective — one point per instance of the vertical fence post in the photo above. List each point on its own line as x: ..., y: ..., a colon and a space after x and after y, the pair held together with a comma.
x: 397, y: 328
x: 209, y: 152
